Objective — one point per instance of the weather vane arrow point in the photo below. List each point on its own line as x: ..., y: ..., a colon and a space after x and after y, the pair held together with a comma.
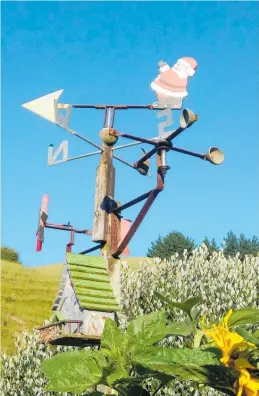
x: 45, y: 106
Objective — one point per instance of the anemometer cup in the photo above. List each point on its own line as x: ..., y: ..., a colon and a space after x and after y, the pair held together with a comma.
x: 187, y: 118
x: 215, y: 156
x: 143, y: 169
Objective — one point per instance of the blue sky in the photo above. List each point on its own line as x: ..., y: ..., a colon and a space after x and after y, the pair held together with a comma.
x: 108, y: 53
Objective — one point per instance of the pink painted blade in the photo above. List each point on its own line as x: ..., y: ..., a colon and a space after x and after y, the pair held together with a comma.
x: 125, y: 226
x: 43, y: 211
x: 38, y: 245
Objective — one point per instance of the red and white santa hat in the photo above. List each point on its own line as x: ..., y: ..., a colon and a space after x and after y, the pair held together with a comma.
x: 188, y: 62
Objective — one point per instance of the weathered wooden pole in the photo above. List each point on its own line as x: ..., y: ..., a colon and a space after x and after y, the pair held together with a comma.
x: 106, y: 227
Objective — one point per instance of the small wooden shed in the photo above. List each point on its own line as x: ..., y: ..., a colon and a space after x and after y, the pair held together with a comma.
x: 85, y: 300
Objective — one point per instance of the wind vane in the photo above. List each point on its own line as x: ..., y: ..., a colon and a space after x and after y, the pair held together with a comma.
x: 111, y: 233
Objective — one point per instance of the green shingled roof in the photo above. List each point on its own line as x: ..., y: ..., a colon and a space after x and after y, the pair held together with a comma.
x: 91, y: 282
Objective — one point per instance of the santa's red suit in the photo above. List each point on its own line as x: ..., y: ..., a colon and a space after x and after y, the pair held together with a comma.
x: 172, y: 82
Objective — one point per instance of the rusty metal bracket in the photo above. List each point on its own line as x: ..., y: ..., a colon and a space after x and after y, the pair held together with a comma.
x: 71, y: 242
x: 67, y: 228
x: 151, y: 196
x: 72, y: 230
x: 116, y: 107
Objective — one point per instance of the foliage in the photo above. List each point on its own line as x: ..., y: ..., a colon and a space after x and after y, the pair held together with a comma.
x: 245, y: 246
x: 27, y: 296
x: 134, y: 351
x: 9, y: 254
x: 174, y: 242
x: 223, y: 367
x: 237, y: 353
x: 20, y: 373
x: 211, y: 245
x: 223, y: 283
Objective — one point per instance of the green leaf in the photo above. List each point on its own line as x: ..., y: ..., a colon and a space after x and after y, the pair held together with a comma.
x: 116, y: 375
x: 100, y: 358
x: 198, y: 338
x: 256, y: 334
x: 243, y: 317
x: 247, y: 336
x: 192, y: 365
x: 251, y: 355
x: 129, y: 390
x: 71, y: 372
x: 134, y: 380
x: 226, y: 391
x: 217, y: 352
x: 222, y: 377
x: 147, y: 329
x: 179, y: 328
x: 112, y: 337
x: 95, y: 393
x: 184, y: 356
x: 147, y: 372
x: 185, y: 306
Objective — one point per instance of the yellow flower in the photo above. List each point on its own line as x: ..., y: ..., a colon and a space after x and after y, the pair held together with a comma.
x: 231, y: 343
x: 247, y: 386
x: 226, y: 341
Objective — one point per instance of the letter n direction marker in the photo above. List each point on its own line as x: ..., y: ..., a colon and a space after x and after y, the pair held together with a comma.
x: 108, y: 226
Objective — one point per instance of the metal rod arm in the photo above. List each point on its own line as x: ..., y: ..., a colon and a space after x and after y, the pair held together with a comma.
x: 132, y: 202
x: 73, y: 132
x: 117, y: 107
x: 78, y: 157
x: 99, y: 246
x: 125, y: 146
x: 147, y: 205
x: 124, y: 162
x: 179, y: 150
x: 67, y: 228
x: 175, y: 133
x: 146, y: 156
x: 137, y: 138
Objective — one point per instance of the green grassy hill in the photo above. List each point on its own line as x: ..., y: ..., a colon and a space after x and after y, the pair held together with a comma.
x: 27, y: 297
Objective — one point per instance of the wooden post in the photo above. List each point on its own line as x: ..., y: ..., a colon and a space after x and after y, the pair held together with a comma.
x: 104, y: 190
x: 106, y: 225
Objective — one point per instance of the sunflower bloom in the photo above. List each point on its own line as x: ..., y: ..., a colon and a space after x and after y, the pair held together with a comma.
x: 230, y: 343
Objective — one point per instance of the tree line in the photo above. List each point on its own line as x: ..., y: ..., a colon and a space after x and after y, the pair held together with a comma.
x: 176, y: 242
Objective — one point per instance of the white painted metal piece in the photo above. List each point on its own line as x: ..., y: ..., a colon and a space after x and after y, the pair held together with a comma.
x: 53, y: 155
x: 167, y: 123
x: 45, y: 106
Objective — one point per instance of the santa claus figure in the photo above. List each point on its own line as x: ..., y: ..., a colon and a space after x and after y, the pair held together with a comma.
x: 171, y: 84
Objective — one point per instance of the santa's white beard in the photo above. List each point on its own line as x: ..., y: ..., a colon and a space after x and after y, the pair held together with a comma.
x: 182, y: 71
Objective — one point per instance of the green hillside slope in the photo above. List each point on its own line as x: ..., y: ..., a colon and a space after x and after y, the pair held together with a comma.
x: 27, y: 297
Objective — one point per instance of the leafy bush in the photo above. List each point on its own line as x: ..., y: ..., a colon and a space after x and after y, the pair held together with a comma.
x: 9, y: 254
x: 20, y: 373
x: 126, y: 359
x: 222, y: 283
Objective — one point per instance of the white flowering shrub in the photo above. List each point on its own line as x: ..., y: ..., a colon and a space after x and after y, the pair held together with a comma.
x: 20, y: 373
x: 222, y: 282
